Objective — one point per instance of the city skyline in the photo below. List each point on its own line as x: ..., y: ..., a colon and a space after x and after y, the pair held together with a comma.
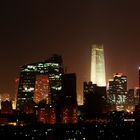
x: 33, y: 31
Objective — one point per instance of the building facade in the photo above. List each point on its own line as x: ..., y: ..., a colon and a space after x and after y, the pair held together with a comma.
x: 68, y: 102
x: 98, y: 75
x: 41, y: 80
x: 94, y: 100
x: 117, y: 91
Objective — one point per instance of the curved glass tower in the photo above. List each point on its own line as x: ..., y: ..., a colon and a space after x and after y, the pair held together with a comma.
x: 98, y: 65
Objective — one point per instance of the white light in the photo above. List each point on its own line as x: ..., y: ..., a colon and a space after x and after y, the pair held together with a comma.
x: 98, y: 65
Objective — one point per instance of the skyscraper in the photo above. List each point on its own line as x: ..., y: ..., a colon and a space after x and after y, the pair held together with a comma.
x: 41, y: 80
x: 117, y: 91
x: 98, y: 65
x: 69, y: 99
x: 94, y: 99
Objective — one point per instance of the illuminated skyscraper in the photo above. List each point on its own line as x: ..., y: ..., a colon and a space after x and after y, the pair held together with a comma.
x: 41, y: 80
x: 117, y: 91
x: 98, y: 65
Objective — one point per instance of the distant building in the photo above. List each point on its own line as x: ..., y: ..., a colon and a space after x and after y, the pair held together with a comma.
x: 98, y: 65
x: 131, y: 100
x: 117, y: 92
x: 136, y: 95
x: 16, y: 93
x: 4, y: 97
x: 68, y: 99
x: 94, y: 100
x: 6, y: 107
x: 41, y: 80
x: 137, y: 99
x: 89, y: 88
x: 51, y: 114
x: 42, y: 118
x: 47, y: 114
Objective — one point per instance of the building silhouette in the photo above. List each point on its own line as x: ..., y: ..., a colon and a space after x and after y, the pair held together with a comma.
x: 131, y: 100
x: 6, y: 107
x: 68, y: 99
x: 94, y: 100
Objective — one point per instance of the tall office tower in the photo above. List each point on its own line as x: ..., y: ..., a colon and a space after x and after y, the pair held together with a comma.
x: 41, y: 80
x: 98, y: 65
x: 68, y: 99
x: 117, y: 91
x: 69, y: 87
x: 136, y: 95
x: 131, y: 100
x: 94, y: 99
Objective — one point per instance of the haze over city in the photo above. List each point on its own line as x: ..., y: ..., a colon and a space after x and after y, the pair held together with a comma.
x: 32, y: 31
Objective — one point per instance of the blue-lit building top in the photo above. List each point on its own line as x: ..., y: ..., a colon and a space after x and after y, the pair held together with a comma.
x: 52, y: 68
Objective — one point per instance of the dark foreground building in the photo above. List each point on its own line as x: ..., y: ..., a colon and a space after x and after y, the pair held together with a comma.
x: 94, y: 100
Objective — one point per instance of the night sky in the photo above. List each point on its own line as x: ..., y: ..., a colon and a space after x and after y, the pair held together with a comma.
x: 33, y: 30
